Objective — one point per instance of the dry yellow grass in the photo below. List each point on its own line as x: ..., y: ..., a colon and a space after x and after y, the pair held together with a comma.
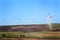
x: 34, y: 34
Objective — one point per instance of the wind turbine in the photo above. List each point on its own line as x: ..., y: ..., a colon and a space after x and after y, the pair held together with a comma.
x: 49, y: 21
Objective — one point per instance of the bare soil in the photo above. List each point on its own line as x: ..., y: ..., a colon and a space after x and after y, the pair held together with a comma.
x: 25, y: 39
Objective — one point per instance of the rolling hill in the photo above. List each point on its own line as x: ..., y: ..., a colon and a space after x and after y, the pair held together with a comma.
x: 28, y: 28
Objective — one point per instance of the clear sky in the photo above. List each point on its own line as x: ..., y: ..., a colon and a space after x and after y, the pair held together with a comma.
x: 15, y: 12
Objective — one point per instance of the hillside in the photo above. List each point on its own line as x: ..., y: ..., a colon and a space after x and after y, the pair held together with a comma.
x: 28, y: 28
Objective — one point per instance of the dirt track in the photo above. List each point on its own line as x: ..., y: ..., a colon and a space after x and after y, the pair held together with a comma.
x: 25, y: 39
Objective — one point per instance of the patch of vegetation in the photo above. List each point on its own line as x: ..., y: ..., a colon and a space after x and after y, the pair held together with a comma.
x: 8, y: 35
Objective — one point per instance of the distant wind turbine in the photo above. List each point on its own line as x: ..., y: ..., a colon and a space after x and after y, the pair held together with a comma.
x: 49, y: 21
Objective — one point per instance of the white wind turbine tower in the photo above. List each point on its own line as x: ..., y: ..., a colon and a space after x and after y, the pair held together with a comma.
x: 49, y: 21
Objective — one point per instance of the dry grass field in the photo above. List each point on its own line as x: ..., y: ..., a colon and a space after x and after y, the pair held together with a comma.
x: 46, y: 35
x: 33, y: 34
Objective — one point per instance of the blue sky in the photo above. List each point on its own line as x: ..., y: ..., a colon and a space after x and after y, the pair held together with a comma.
x: 15, y: 12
